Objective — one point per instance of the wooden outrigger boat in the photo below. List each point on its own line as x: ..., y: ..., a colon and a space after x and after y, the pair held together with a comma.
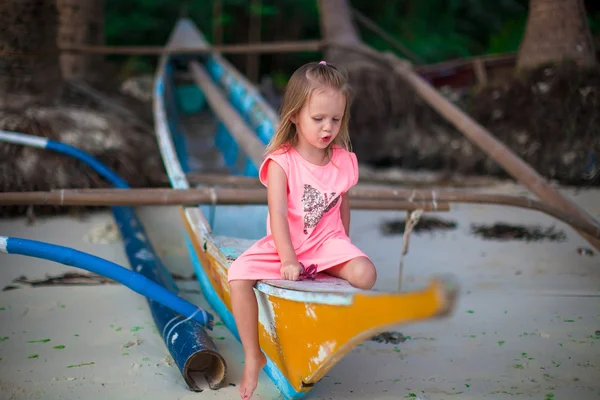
x: 305, y: 327
x: 464, y: 73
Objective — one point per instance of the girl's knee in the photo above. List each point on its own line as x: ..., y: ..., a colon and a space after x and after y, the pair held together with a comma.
x: 363, y: 274
x: 241, y: 284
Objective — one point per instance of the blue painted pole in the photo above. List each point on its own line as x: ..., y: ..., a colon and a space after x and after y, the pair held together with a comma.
x: 133, y: 280
x: 192, y: 349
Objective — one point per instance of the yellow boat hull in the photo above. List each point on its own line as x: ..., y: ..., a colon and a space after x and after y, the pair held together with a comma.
x: 304, y: 333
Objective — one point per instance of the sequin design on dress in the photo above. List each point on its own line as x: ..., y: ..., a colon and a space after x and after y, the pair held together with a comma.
x: 315, y: 205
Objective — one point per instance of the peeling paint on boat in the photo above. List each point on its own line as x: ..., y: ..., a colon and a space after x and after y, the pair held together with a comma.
x: 325, y: 350
x: 310, y: 312
x: 266, y: 315
x: 144, y: 255
x: 231, y: 252
x: 310, y: 297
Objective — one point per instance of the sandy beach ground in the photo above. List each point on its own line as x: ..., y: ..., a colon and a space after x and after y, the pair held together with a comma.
x: 526, y: 325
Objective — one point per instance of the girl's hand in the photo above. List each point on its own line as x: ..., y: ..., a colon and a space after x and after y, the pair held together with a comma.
x: 291, y: 270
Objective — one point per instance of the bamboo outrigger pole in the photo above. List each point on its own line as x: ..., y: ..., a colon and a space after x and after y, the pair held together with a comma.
x: 190, y: 197
x: 504, y: 156
x: 246, y: 48
x: 480, y: 136
x: 499, y: 152
x: 363, y: 198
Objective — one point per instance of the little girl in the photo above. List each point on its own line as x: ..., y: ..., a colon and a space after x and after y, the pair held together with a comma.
x: 307, y: 171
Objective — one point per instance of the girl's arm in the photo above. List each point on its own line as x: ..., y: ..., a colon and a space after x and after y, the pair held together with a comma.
x: 345, y: 212
x: 278, y: 210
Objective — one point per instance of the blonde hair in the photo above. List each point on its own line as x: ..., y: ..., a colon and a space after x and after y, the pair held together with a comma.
x: 300, y: 87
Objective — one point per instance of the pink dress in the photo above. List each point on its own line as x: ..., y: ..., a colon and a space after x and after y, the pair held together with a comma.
x: 316, y: 228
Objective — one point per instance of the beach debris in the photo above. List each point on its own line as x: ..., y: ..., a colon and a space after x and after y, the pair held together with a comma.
x: 389, y: 337
x: 168, y: 361
x: 66, y: 279
x: 502, y: 231
x: 412, y: 395
x: 132, y: 343
x: 81, y: 365
x: 584, y: 251
x: 425, y: 224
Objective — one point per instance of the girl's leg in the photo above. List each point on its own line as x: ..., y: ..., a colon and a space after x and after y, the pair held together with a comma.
x: 359, y: 272
x: 245, y: 312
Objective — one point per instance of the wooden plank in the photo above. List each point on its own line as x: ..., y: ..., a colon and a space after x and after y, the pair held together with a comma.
x: 480, y: 72
x: 246, y: 48
x: 244, y: 136
x: 490, y: 60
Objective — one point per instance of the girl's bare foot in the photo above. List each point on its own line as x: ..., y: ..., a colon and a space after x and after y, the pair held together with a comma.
x: 252, y: 367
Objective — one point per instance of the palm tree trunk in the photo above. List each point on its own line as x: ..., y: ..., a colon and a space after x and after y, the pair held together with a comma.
x: 254, y: 35
x: 29, y: 67
x: 337, y: 26
x: 382, y: 99
x: 556, y: 30
x: 81, y: 22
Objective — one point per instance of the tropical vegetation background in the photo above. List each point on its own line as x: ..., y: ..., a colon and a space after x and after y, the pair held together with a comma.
x: 434, y: 30
x: 544, y: 103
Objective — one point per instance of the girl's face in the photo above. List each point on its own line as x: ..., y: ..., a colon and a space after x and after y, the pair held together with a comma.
x: 318, y: 122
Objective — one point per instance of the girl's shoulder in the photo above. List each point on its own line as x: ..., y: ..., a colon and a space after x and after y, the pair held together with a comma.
x: 342, y: 155
x: 280, y: 156
x: 346, y: 160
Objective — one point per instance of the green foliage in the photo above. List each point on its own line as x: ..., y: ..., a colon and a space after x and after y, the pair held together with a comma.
x: 263, y: 10
x: 509, y: 37
x: 594, y: 21
x: 435, y: 30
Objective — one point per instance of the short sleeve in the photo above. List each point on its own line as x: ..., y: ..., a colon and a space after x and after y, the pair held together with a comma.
x: 354, y: 164
x: 280, y: 158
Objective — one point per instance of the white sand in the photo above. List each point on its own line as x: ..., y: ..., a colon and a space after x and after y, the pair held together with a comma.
x: 524, y: 326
